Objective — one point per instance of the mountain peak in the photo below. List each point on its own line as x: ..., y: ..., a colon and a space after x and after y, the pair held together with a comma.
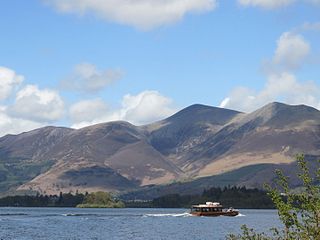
x: 270, y: 110
x: 280, y: 114
x: 204, y: 113
x: 276, y: 105
x: 118, y: 124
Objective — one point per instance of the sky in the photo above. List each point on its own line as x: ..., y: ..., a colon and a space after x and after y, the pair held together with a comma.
x: 75, y: 63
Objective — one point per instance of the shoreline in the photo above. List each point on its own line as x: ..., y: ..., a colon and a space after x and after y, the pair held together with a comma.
x: 1, y: 207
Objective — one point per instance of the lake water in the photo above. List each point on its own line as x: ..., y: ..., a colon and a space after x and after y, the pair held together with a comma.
x: 73, y: 224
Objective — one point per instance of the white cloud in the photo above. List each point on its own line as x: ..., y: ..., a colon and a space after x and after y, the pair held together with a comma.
x: 10, y: 125
x: 142, y: 14
x: 292, y: 50
x: 32, y: 108
x: 279, y: 87
x: 37, y: 105
x: 282, y: 84
x: 87, y: 78
x: 8, y: 81
x: 267, y: 4
x: 88, y: 110
x: 146, y: 107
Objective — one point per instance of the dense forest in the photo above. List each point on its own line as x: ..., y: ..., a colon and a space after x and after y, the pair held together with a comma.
x: 238, y: 197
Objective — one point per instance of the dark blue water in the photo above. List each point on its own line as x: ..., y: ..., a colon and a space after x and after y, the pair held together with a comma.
x: 71, y: 223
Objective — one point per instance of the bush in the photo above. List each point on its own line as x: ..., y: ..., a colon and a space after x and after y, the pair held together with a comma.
x: 299, y: 212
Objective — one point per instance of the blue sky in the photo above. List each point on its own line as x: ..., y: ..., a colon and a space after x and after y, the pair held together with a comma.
x: 81, y: 62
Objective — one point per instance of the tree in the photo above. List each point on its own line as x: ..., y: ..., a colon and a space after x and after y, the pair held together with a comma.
x: 299, y: 212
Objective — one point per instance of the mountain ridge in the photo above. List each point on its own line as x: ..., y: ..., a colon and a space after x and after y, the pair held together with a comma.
x: 198, y: 141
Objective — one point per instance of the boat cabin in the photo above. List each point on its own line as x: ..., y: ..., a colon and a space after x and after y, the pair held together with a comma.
x: 208, y: 207
x: 212, y: 209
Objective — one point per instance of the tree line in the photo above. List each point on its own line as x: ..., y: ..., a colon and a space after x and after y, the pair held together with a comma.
x: 238, y: 197
x: 39, y: 200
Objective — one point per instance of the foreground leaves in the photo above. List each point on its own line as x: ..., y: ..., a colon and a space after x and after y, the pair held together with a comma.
x: 299, y: 212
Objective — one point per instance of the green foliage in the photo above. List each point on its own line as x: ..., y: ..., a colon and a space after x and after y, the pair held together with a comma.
x: 100, y: 200
x: 299, y: 212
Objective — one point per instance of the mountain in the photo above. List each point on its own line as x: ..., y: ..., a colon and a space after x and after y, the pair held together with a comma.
x: 197, y: 147
x: 115, y: 156
x: 177, y: 136
x: 273, y: 134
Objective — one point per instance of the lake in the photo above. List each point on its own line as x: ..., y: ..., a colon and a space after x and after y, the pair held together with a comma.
x: 73, y: 224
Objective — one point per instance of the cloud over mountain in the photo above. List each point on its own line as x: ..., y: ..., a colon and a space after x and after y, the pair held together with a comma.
x: 282, y: 84
x: 26, y: 107
x: 145, y: 107
x: 88, y: 110
x: 12, y: 125
x: 38, y: 105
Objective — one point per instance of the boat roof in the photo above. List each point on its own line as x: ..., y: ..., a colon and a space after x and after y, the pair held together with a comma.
x: 208, y: 204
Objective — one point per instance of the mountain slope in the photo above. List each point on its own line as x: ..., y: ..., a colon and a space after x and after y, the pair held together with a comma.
x: 272, y: 134
x: 177, y: 135
x: 118, y: 148
x: 24, y: 156
x: 199, y: 141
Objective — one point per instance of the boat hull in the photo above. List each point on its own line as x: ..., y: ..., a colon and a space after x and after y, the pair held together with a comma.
x: 215, y: 214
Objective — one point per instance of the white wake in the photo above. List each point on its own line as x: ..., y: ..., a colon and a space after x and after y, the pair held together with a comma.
x: 240, y: 215
x: 186, y: 214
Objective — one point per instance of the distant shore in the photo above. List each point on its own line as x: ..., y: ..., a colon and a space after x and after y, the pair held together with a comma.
x: 237, y: 197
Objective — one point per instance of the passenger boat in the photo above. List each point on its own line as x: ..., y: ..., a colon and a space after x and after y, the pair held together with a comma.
x: 212, y: 209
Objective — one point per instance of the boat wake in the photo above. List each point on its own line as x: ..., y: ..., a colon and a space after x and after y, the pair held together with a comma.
x: 240, y: 215
x: 72, y: 215
x: 168, y: 215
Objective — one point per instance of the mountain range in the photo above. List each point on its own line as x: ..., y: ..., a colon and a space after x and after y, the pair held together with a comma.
x: 198, y: 147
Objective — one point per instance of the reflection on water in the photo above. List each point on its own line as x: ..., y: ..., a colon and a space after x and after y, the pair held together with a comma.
x: 73, y: 224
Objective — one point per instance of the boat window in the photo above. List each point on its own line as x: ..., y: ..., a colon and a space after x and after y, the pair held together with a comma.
x: 196, y: 209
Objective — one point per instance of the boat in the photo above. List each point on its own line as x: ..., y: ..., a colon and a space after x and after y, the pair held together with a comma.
x: 213, y: 209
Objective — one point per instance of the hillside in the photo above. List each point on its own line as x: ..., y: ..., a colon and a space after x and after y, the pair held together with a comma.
x: 196, y: 147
